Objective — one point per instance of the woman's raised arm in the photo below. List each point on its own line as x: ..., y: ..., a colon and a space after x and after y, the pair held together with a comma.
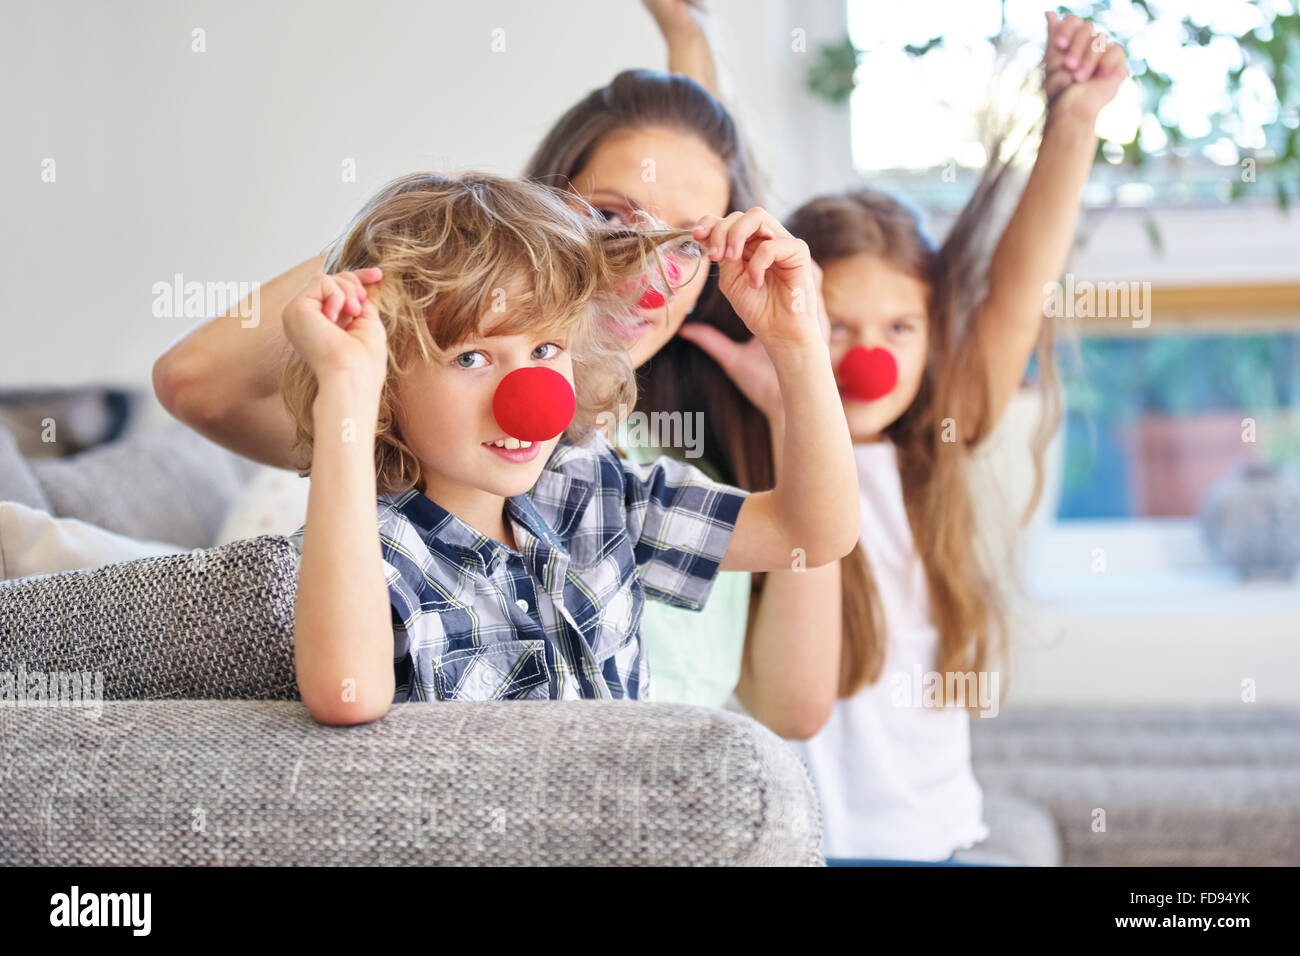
x: 222, y: 378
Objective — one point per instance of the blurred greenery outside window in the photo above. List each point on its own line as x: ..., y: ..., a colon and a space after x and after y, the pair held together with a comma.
x: 1209, y: 118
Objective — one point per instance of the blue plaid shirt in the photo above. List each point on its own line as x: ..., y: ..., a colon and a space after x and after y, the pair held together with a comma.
x: 560, y: 618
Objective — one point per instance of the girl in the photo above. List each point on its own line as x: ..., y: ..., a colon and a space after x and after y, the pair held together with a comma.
x: 925, y: 375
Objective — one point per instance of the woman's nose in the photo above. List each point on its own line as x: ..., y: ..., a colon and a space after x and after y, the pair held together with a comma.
x: 534, y: 403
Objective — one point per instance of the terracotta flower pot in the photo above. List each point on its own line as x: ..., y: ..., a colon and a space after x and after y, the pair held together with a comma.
x: 1176, y: 460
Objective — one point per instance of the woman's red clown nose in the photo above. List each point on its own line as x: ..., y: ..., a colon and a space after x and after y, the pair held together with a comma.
x: 868, y: 374
x: 534, y: 403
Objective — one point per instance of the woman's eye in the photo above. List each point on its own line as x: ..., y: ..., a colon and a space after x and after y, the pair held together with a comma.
x: 472, y: 363
x: 610, y: 214
x: 548, y: 345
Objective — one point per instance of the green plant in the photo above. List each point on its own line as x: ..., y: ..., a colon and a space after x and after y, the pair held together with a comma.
x: 1269, y: 54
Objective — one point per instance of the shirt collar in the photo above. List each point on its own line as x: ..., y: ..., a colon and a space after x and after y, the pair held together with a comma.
x: 549, y: 511
x: 444, y: 533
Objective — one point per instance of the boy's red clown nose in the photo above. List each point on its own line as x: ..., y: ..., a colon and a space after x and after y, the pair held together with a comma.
x: 868, y: 374
x: 653, y: 298
x: 534, y: 403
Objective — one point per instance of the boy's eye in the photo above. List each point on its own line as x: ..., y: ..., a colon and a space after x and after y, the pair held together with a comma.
x: 839, y: 328
x: 900, y: 327
x: 471, y: 356
x: 543, y: 348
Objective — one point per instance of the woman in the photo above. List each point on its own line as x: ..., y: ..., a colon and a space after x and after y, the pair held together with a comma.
x: 222, y: 378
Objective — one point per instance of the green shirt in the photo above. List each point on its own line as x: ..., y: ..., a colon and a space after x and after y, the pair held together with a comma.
x: 693, y: 656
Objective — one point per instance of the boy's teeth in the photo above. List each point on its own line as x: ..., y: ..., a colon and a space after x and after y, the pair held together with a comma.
x: 512, y: 443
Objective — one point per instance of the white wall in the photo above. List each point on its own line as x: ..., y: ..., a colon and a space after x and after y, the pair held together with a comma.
x: 225, y: 165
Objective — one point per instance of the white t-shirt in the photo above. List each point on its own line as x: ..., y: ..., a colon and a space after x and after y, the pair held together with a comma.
x: 894, y: 777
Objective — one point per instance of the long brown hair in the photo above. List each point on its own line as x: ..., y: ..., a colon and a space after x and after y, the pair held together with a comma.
x: 954, y: 388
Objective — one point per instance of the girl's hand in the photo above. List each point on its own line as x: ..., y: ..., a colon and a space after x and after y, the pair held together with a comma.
x: 334, y: 325
x: 1082, y: 69
x: 767, y: 275
x: 746, y: 363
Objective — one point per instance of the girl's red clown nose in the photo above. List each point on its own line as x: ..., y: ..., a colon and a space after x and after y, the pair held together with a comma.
x: 534, y: 403
x: 868, y: 374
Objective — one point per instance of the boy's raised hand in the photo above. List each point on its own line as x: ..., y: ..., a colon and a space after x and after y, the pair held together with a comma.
x: 1082, y: 69
x: 766, y: 274
x: 334, y: 325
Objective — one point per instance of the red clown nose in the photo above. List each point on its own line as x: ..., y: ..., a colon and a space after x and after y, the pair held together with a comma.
x: 652, y: 298
x: 868, y: 374
x: 534, y: 403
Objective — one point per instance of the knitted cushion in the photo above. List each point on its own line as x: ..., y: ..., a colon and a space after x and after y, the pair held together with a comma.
x: 505, y: 783
x: 204, y: 624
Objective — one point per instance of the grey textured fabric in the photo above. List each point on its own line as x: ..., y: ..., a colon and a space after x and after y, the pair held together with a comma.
x: 506, y: 783
x: 1170, y: 787
x: 1021, y: 833
x: 17, y: 483
x: 171, y: 485
x: 208, y: 624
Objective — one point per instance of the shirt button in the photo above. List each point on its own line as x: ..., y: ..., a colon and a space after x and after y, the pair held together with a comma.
x: 523, y: 605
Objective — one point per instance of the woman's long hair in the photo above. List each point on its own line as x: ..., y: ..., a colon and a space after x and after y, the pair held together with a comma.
x: 681, y: 377
x: 954, y: 389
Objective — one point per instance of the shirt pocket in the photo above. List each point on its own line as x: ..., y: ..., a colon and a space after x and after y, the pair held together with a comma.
x: 502, y: 670
x: 612, y: 618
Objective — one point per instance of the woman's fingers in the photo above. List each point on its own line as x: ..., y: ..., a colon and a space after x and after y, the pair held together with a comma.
x: 755, y: 222
x: 786, y: 251
x: 727, y: 238
x: 716, y: 239
x: 1097, y: 46
x: 1056, y: 81
x: 1079, y: 40
x: 1113, y: 62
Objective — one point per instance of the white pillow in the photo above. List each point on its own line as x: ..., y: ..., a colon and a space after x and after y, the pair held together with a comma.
x: 34, y: 542
x: 274, y: 501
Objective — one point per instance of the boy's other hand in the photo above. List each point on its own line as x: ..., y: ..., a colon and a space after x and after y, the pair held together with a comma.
x: 334, y: 325
x: 767, y: 276
x: 1082, y: 69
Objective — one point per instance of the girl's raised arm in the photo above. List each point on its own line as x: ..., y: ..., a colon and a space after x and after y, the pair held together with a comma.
x: 222, y: 378
x: 1083, y: 73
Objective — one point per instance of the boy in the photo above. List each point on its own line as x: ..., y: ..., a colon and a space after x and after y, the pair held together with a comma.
x: 513, y: 568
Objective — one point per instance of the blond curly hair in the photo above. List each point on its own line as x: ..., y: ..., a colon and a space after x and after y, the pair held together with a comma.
x: 450, y: 248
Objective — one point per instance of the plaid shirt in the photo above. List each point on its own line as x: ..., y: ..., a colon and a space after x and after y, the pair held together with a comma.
x: 559, y: 619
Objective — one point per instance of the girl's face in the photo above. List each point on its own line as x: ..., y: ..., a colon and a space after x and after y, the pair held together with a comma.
x: 871, y: 303
x: 676, y: 178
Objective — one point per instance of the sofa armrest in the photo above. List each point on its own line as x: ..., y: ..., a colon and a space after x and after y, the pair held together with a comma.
x: 193, y: 782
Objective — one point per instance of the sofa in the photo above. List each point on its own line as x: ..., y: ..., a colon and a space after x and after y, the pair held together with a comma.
x: 200, y: 752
